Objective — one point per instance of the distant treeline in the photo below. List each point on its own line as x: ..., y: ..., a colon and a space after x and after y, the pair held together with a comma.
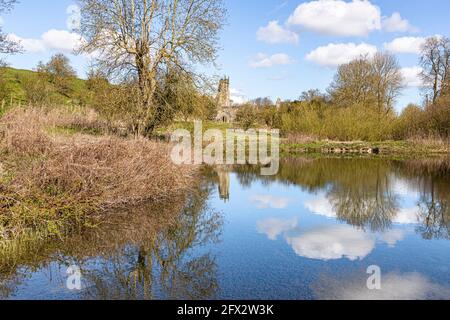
x: 359, y: 104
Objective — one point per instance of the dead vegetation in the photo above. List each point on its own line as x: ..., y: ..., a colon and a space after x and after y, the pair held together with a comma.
x: 52, y: 183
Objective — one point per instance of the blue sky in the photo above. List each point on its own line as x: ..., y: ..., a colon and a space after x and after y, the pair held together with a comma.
x: 275, y: 48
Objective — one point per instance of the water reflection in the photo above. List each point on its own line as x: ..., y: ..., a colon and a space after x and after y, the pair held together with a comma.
x: 144, y: 253
x: 396, y: 286
x: 331, y: 242
x: 303, y: 234
x: 165, y: 267
x: 223, y: 174
x: 273, y: 228
x: 327, y: 242
x: 363, y: 192
x: 269, y: 201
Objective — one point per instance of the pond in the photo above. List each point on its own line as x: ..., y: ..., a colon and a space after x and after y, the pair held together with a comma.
x: 320, y: 229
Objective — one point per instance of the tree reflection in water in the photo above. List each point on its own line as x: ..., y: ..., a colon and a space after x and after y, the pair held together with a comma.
x: 361, y: 190
x: 434, y: 203
x: 144, y: 253
x: 164, y: 268
x: 366, y: 200
x: 156, y: 252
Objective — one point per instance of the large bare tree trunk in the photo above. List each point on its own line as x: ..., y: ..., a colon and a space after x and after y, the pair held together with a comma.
x: 147, y: 87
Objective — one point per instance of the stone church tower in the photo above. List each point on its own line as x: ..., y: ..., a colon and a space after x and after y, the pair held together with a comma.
x: 226, y: 113
x: 223, y: 98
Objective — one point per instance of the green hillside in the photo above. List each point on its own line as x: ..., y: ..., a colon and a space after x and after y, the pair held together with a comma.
x: 14, y: 82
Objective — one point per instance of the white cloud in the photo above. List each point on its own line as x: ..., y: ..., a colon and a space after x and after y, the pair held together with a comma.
x: 334, y: 55
x: 272, y: 228
x: 407, y: 216
x: 52, y: 40
x: 273, y: 33
x: 265, y: 61
x: 332, y: 242
x: 409, y: 286
x: 405, y: 45
x: 411, y: 76
x: 355, y: 18
x: 391, y: 237
x: 321, y: 206
x: 237, y: 96
x: 28, y: 45
x: 267, y: 201
x: 61, y: 40
x: 396, y: 23
x: 403, y: 187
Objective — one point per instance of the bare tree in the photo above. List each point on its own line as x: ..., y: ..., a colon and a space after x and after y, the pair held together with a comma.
x: 387, y: 80
x: 263, y: 102
x: 59, y: 72
x: 312, y: 95
x: 6, y: 45
x: 436, y: 66
x: 144, y: 38
x: 353, y: 83
x: 368, y: 81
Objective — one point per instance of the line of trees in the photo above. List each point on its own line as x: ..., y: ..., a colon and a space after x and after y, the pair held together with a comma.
x: 359, y: 104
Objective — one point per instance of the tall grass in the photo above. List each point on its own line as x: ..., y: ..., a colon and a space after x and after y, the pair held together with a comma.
x: 54, y: 183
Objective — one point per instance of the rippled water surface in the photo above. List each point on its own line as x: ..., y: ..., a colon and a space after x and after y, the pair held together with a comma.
x: 311, y: 232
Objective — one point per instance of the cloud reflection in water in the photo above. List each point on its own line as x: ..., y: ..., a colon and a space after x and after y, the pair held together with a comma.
x: 327, y: 242
x: 394, y: 286
x: 267, y: 201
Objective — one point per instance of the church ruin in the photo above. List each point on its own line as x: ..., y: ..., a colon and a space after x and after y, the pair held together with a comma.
x: 226, y: 113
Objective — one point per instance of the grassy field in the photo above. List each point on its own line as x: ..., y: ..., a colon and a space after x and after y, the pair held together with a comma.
x: 310, y: 145
x: 189, y: 126
x: 13, y: 83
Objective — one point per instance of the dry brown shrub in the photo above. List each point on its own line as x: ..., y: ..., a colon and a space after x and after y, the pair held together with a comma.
x: 83, y: 172
x: 434, y: 141
x: 114, y: 170
x: 298, y: 138
x: 22, y: 134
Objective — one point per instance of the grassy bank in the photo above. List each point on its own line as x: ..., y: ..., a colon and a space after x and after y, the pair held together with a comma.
x: 59, y: 171
x: 16, y: 86
x: 308, y: 144
x: 408, y: 147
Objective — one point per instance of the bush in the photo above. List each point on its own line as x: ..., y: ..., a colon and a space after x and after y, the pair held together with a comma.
x: 51, y: 182
x: 431, y: 122
x: 438, y: 117
x: 410, y: 123
x: 330, y: 122
x: 247, y: 116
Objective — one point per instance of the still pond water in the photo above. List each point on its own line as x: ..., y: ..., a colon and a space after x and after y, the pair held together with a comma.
x: 311, y: 232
